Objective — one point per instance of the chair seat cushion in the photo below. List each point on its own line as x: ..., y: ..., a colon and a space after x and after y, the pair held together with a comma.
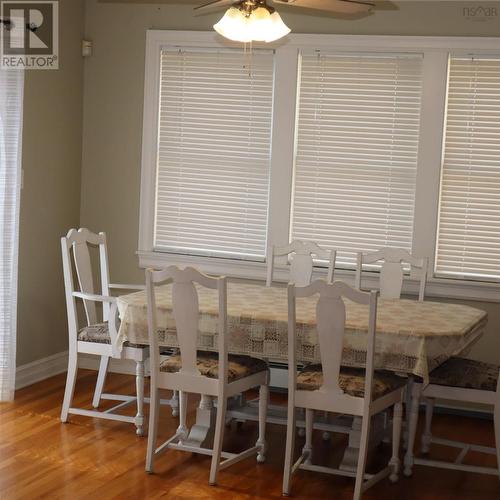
x: 208, y: 365
x: 351, y: 381
x: 467, y: 374
x: 99, y: 334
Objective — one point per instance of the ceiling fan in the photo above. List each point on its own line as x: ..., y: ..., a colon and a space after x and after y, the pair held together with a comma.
x: 257, y: 20
x: 334, y: 6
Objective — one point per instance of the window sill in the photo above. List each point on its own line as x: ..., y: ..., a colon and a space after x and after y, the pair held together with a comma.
x: 213, y: 265
x: 436, y: 287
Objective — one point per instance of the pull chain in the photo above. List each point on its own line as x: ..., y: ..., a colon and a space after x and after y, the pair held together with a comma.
x: 248, y: 54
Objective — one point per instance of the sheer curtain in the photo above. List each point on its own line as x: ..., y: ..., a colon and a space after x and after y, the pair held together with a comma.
x: 11, y: 106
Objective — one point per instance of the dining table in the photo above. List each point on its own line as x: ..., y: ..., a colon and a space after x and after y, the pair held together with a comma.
x: 412, y: 337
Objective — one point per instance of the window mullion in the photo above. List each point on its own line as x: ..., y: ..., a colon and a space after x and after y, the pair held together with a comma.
x: 282, y: 149
x: 435, y: 76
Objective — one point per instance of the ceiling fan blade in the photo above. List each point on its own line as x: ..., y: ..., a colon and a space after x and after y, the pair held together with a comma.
x: 214, y: 4
x: 335, y: 6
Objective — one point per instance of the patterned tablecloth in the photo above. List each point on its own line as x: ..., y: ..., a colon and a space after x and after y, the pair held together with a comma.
x: 412, y: 337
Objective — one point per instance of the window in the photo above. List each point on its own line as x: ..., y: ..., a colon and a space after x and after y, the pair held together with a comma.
x: 355, y: 142
x: 469, y: 216
x: 356, y: 152
x: 214, y: 152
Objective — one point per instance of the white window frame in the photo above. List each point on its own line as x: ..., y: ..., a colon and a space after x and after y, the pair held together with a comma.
x: 436, y: 52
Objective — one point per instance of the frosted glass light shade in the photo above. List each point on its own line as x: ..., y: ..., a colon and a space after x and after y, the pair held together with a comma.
x: 277, y: 28
x: 233, y: 26
x: 260, y: 26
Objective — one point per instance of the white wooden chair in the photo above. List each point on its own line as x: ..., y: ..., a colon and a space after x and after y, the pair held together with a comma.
x: 391, y: 272
x: 97, y: 337
x: 328, y: 387
x: 301, y: 261
x: 391, y: 285
x: 467, y: 381
x: 209, y: 374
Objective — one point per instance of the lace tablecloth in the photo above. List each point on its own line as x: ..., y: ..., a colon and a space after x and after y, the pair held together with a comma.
x: 412, y: 337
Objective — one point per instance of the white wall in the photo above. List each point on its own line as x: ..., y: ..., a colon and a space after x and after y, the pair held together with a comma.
x: 50, y: 198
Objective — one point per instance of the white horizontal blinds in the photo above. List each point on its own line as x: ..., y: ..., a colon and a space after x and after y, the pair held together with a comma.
x: 469, y: 218
x: 214, y: 152
x: 11, y: 112
x: 356, y: 151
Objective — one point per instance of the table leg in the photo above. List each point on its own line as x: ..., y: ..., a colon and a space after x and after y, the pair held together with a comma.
x: 378, y: 430
x: 204, y: 420
x: 234, y: 404
x: 350, y: 459
x: 412, y: 428
x: 277, y: 415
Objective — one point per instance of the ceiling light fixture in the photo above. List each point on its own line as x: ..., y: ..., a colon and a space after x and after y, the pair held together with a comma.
x: 252, y: 21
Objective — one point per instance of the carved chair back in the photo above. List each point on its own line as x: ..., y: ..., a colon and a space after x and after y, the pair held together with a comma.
x: 301, y: 261
x: 392, y: 270
x: 77, y: 260
x: 330, y: 324
x: 185, y: 308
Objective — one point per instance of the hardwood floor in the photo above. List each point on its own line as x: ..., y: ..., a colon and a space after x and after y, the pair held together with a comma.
x: 98, y: 459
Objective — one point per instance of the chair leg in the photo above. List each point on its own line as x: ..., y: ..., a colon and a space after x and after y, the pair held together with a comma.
x: 182, y: 430
x: 263, y: 404
x: 154, y: 413
x: 101, y: 379
x: 174, y: 403
x: 139, y: 384
x: 397, y: 423
x: 290, y: 445
x: 496, y: 419
x: 408, y: 396
x: 427, y: 434
x: 307, y: 449
x: 363, y: 452
x: 70, y: 385
x: 412, y: 429
x: 218, y: 438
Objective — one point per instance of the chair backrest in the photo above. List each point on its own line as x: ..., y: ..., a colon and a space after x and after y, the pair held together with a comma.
x: 76, y: 258
x: 391, y: 272
x: 186, y: 315
x: 330, y: 324
x: 301, y: 261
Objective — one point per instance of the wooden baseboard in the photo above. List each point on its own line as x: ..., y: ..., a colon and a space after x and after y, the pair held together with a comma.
x: 41, y: 369
x: 49, y: 366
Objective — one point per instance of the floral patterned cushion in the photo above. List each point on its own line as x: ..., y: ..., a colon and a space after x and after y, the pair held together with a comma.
x: 99, y: 334
x: 208, y: 364
x: 466, y: 373
x: 351, y: 381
